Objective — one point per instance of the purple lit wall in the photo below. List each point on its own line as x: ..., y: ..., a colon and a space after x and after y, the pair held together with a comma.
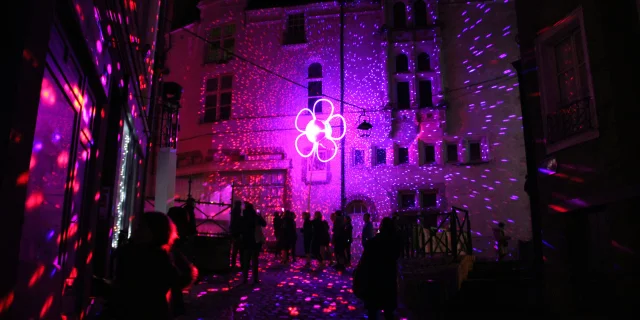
x: 255, y: 151
x: 485, y: 105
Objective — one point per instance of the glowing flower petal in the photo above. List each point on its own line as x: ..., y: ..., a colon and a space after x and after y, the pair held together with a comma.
x: 319, y: 131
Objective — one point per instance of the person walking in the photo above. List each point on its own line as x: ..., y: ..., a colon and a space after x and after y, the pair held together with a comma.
x: 320, y: 237
x: 290, y: 236
x: 367, y: 229
x: 307, y: 234
x: 252, y: 240
x: 235, y: 227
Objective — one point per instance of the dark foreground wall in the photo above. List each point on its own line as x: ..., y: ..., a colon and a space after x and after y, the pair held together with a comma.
x: 588, y: 205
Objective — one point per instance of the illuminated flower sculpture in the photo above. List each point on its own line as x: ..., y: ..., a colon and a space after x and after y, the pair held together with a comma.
x: 319, y: 133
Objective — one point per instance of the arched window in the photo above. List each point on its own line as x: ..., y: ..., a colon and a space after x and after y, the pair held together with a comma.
x: 315, y: 70
x: 424, y: 63
x: 420, y: 13
x: 314, y: 87
x: 399, y: 15
x: 402, y: 63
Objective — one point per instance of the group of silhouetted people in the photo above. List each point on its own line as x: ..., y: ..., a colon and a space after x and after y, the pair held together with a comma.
x: 152, y: 268
x: 248, y: 238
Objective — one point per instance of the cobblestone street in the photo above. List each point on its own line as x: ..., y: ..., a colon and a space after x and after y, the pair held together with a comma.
x: 285, y: 292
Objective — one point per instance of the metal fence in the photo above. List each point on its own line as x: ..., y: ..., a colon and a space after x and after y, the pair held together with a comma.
x: 427, y: 234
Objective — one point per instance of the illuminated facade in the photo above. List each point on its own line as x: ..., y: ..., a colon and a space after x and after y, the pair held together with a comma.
x: 446, y: 127
x: 76, y: 175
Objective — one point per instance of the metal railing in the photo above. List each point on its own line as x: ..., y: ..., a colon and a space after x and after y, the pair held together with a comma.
x: 569, y: 120
x: 429, y: 234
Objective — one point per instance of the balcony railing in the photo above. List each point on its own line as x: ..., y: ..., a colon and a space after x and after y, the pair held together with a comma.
x: 569, y: 120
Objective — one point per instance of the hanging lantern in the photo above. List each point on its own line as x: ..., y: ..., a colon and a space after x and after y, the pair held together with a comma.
x: 364, y: 126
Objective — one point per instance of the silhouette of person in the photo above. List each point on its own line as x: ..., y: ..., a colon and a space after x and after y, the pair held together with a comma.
x: 148, y: 269
x: 235, y: 227
x: 307, y: 233
x: 378, y: 266
x: 251, y: 245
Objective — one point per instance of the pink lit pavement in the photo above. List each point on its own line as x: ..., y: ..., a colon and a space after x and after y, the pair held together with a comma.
x: 285, y: 292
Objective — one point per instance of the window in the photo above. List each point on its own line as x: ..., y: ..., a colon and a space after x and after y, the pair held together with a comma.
x: 404, y: 102
x: 452, y: 152
x: 356, y: 207
x: 420, y: 13
x: 314, y: 87
x: 315, y: 94
x: 315, y: 164
x: 295, y: 29
x: 475, y: 153
x: 428, y: 198
x: 381, y: 156
x: 403, y: 156
x: 569, y: 112
x: 315, y: 71
x: 429, y: 153
x: 407, y: 199
x: 358, y: 157
x: 402, y: 63
x: 424, y: 63
x: 424, y: 91
x: 217, y: 101
x: 221, y: 44
x: 399, y: 15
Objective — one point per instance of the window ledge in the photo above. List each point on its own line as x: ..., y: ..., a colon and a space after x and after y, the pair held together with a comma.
x: 295, y: 45
x: 473, y: 163
x: 573, y: 141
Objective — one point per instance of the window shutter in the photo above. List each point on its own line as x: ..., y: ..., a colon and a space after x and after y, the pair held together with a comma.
x: 421, y: 155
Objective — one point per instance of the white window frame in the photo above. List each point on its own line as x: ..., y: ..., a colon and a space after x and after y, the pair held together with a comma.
x: 218, y: 92
x: 220, y: 40
x: 549, y: 87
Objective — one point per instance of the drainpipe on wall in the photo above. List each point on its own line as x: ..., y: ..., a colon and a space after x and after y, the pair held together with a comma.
x: 343, y: 196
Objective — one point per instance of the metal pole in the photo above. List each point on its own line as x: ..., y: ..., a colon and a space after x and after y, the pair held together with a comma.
x: 309, y: 195
x: 343, y: 197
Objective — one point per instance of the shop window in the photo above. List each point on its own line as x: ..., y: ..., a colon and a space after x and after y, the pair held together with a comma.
x: 221, y: 44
